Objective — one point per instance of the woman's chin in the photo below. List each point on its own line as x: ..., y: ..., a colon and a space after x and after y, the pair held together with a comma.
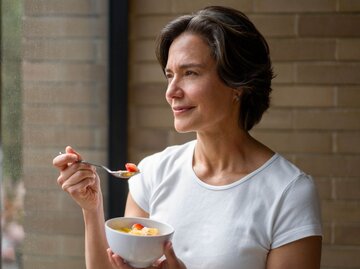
x: 182, y: 128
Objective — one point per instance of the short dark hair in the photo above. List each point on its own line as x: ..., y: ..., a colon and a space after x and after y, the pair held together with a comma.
x: 240, y: 51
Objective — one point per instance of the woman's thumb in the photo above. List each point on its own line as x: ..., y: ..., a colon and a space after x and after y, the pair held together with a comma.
x: 69, y: 149
x: 171, y: 260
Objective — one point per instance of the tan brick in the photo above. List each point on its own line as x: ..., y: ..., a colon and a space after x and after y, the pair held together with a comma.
x: 154, y: 117
x: 325, y: 187
x: 347, y: 188
x: 102, y: 52
x: 72, y: 50
x: 138, y: 154
x: 303, y: 96
x: 70, y: 27
x: 102, y: 8
x: 340, y: 257
x: 329, y: 165
x: 348, y: 142
x: 338, y: 73
x: 348, y: 96
x: 148, y: 139
x: 294, y: 6
x: 55, y: 222
x: 60, y: 93
x: 47, y: 136
x: 348, y: 49
x: 276, y: 119
x: 191, y: 6
x: 53, y: 262
x: 347, y: 233
x: 329, y: 25
x: 73, y: 246
x: 275, y: 25
x: 67, y: 204
x: 149, y: 26
x: 284, y: 72
x: 334, y: 119
x: 327, y: 233
x: 289, y: 49
x: 61, y: 72
x: 34, y: 199
x: 296, y: 141
x: 42, y: 244
x: 150, y: 6
x: 148, y: 73
x: 149, y: 94
x: 144, y: 50
x: 348, y: 5
x: 341, y: 211
x: 46, y: 7
x: 86, y: 116
x: 47, y: 180
x: 74, y: 115
x: 41, y: 157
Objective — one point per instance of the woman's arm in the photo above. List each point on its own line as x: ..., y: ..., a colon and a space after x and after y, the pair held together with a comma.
x: 301, y: 254
x: 133, y: 210
x: 82, y: 183
x: 95, y: 240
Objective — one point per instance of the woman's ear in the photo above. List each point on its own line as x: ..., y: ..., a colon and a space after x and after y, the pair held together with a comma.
x: 236, y: 94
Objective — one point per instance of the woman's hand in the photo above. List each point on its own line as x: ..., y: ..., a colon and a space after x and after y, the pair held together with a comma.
x: 171, y: 261
x: 79, y: 180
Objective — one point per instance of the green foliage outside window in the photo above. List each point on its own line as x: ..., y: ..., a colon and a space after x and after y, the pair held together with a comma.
x: 11, y: 111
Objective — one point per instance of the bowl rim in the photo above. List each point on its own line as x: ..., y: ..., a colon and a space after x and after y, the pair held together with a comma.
x: 172, y: 230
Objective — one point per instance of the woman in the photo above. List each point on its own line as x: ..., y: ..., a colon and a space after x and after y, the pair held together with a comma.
x: 234, y: 203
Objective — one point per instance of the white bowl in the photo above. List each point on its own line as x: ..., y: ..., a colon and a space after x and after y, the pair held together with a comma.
x: 138, y: 251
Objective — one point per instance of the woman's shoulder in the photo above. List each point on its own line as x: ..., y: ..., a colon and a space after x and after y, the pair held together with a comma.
x: 172, y: 152
x: 169, y: 158
x: 282, y: 172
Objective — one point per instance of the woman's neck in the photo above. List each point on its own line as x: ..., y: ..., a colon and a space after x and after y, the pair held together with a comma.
x: 223, y: 158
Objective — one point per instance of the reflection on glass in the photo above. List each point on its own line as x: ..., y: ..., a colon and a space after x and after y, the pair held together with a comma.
x: 12, y: 186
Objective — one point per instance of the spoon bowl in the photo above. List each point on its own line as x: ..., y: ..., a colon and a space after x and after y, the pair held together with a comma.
x: 124, y: 174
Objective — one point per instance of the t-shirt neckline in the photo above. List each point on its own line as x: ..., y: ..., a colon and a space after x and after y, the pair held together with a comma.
x: 190, y: 154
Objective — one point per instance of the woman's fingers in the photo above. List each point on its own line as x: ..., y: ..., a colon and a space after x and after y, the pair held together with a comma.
x: 171, y: 262
x: 79, y: 188
x: 69, y: 149
x: 62, y: 161
x: 75, y: 173
x: 117, y: 261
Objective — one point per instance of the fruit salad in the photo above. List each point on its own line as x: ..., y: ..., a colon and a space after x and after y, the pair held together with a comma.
x: 130, y: 167
x: 138, y: 229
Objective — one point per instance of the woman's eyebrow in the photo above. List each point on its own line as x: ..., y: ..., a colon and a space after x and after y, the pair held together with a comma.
x: 185, y: 66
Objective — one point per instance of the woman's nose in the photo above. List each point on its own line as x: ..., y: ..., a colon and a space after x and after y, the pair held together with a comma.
x: 174, y: 89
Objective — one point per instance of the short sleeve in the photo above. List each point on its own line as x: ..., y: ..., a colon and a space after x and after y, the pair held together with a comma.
x: 298, y: 212
x: 140, y: 186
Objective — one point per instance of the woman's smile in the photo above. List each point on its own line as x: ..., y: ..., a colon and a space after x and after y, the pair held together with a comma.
x: 180, y: 110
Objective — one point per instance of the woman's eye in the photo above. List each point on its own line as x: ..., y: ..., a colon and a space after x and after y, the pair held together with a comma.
x: 168, y: 76
x: 190, y: 73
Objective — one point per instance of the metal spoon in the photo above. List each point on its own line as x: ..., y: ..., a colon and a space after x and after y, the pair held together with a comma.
x: 119, y: 173
x: 124, y: 174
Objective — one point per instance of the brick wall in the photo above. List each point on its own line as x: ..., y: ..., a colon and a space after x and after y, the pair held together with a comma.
x: 315, y: 115
x: 64, y: 74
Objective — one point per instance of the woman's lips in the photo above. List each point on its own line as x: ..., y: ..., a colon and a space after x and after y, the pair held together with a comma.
x: 181, y: 109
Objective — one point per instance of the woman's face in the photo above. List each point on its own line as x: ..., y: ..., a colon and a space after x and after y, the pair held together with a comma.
x: 200, y: 101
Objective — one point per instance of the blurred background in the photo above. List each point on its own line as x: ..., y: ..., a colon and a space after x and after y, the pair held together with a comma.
x: 84, y: 73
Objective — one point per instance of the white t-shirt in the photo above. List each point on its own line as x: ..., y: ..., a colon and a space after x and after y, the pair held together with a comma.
x: 232, y: 226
